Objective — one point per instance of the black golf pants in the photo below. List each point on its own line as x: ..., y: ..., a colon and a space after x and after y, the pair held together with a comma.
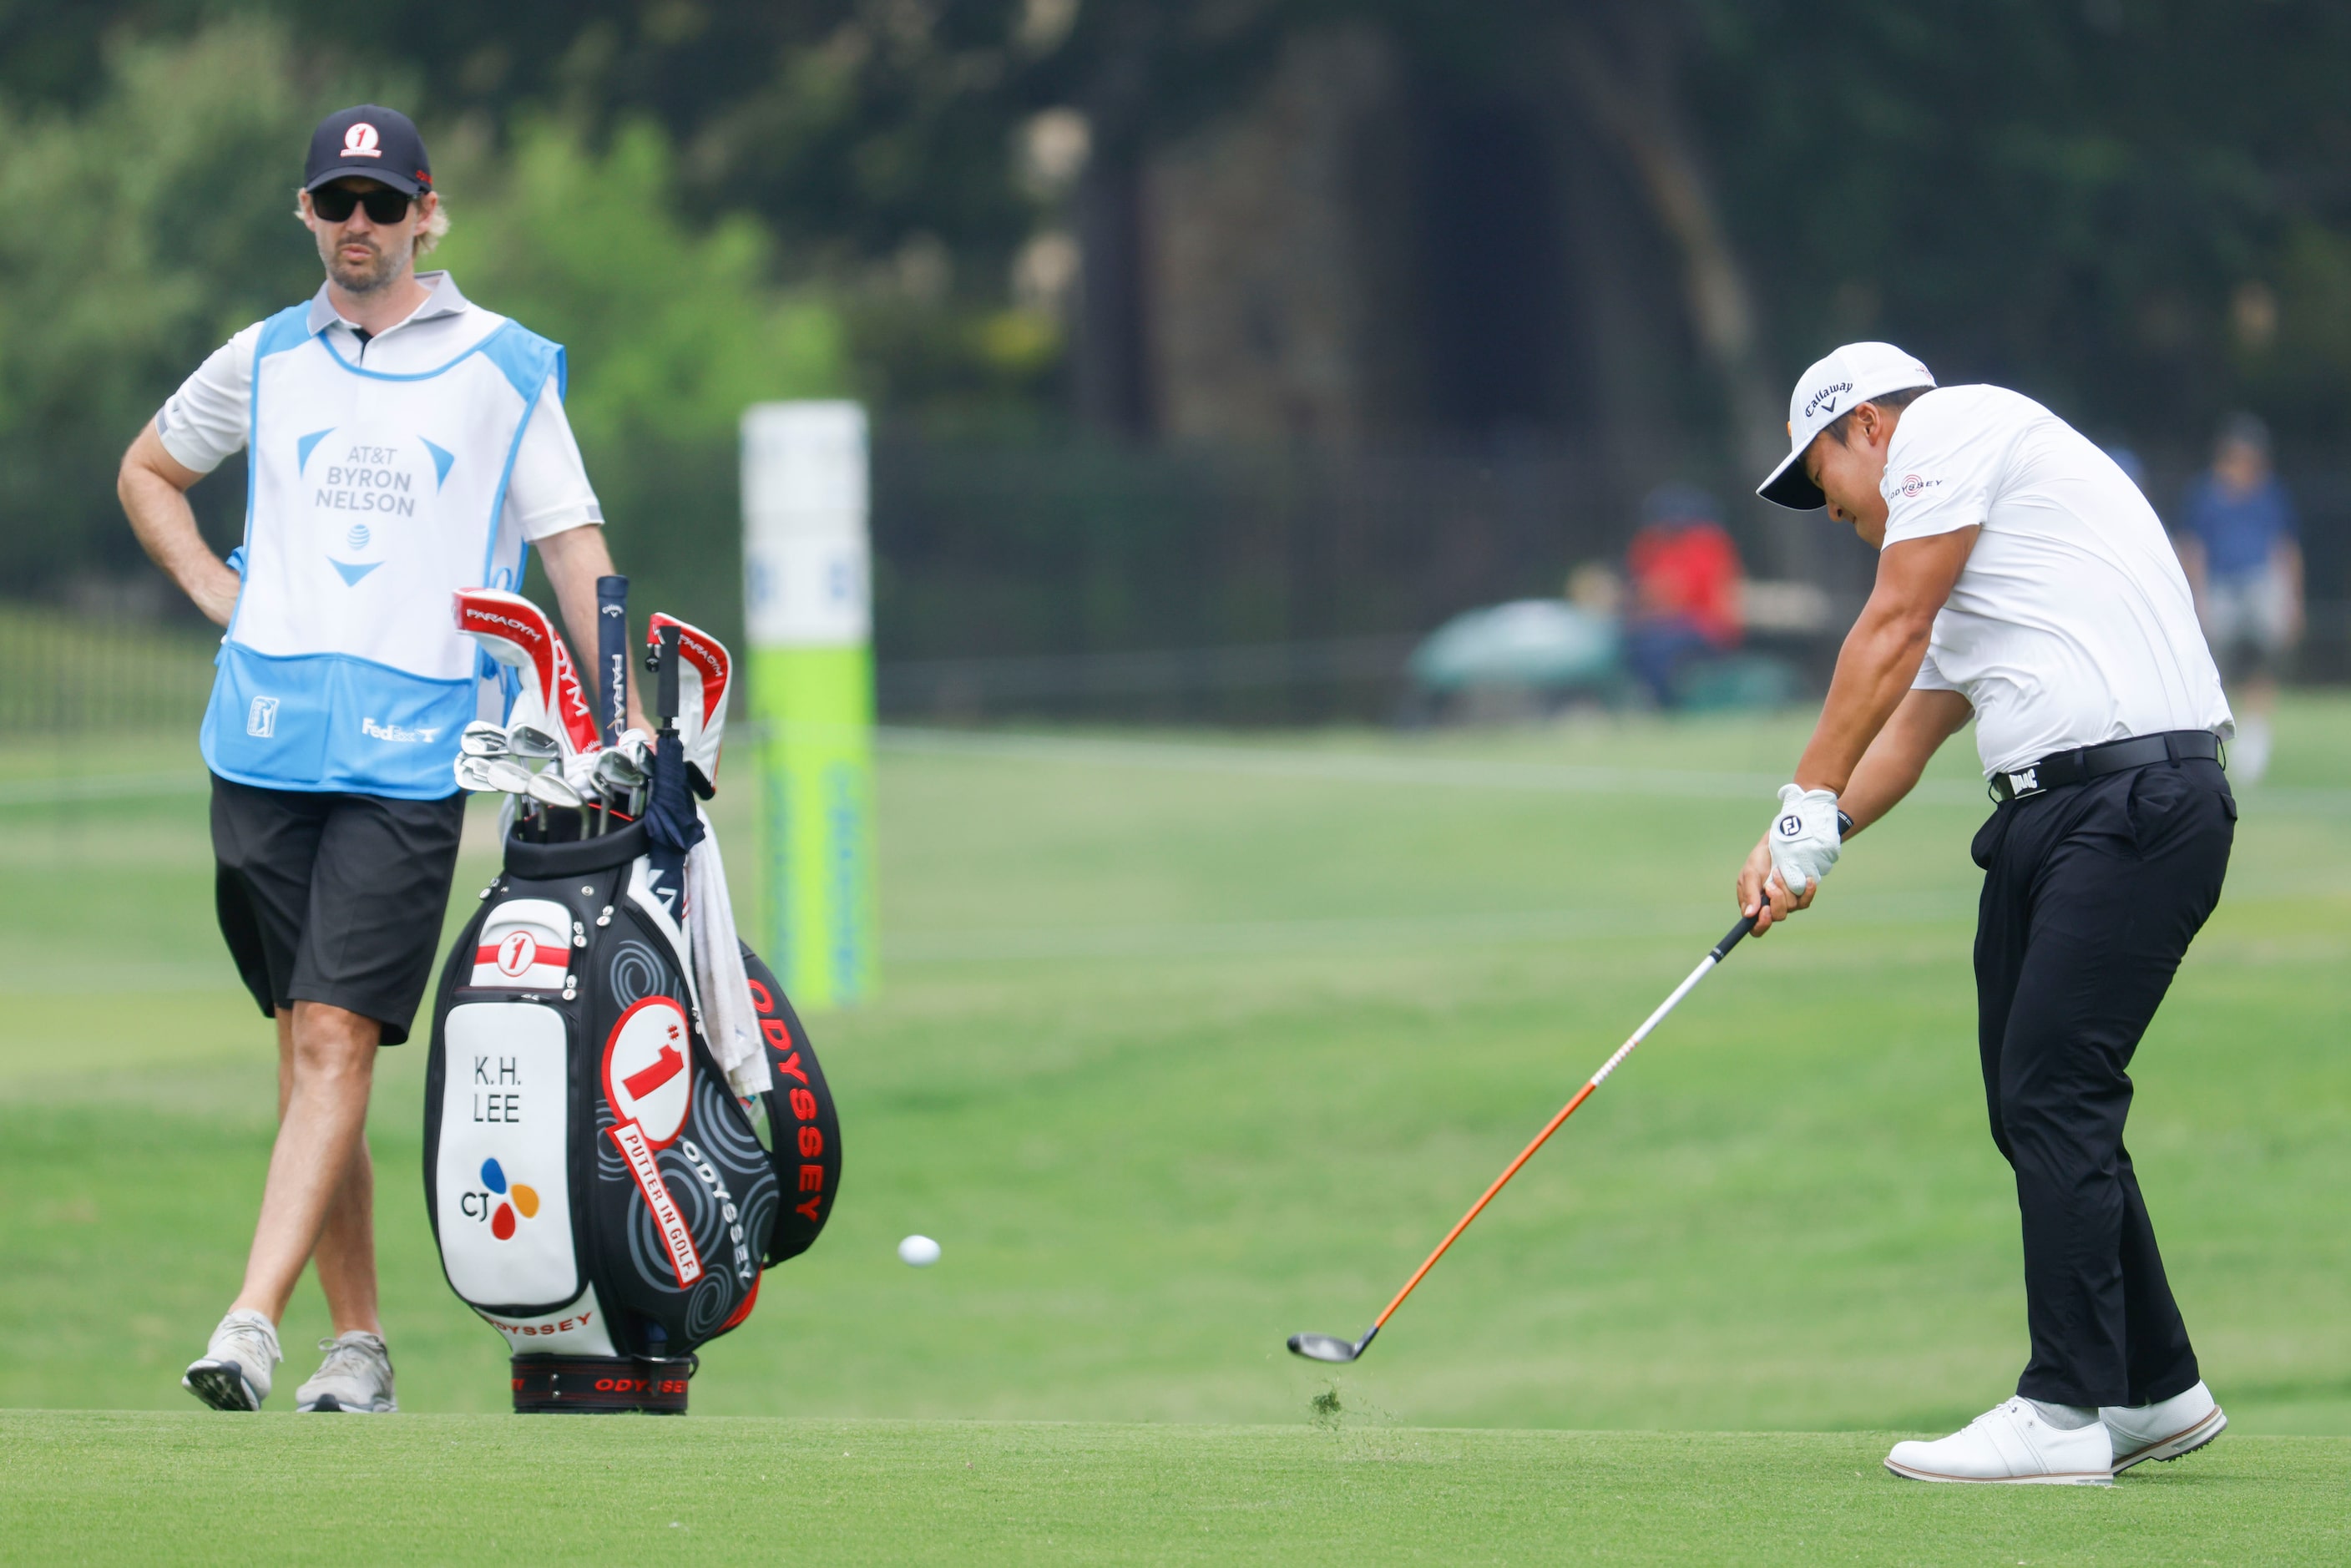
x: 2091, y: 895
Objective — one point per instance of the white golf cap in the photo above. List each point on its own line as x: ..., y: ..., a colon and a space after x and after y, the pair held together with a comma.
x: 1852, y: 374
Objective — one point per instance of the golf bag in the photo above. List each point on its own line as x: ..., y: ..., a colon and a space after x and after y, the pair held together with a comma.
x: 600, y: 1193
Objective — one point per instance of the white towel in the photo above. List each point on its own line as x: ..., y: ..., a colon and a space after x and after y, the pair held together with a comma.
x: 728, y: 1020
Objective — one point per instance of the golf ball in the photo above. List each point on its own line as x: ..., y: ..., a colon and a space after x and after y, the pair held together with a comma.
x: 918, y: 1251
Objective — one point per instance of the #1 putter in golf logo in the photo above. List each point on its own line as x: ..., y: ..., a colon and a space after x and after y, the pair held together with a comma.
x: 1331, y: 1348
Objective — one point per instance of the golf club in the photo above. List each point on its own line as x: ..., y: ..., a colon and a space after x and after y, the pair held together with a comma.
x: 1330, y: 1347
x: 482, y: 739
x: 552, y: 790
x: 530, y: 742
x: 619, y: 776
x: 474, y: 774
x: 612, y: 658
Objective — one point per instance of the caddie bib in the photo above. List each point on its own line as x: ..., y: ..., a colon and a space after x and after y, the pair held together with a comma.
x: 373, y: 497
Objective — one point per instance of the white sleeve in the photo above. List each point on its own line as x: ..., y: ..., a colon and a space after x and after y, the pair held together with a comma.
x: 549, y: 491
x: 204, y: 421
x: 1945, y: 457
x: 1930, y: 676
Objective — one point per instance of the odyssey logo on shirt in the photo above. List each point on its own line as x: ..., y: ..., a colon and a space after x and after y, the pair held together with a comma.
x: 1913, y: 485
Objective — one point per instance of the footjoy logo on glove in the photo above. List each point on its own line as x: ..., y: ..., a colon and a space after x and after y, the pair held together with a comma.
x: 1790, y: 825
x: 499, y: 1203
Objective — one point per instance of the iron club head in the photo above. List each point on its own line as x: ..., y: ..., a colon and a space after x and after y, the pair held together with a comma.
x: 482, y: 739
x: 618, y: 772
x: 550, y: 789
x: 524, y: 740
x: 1330, y: 1347
x: 505, y: 774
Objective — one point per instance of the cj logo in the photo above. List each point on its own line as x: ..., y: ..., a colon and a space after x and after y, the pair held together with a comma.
x: 262, y: 720
x: 497, y: 1203
x: 359, y: 141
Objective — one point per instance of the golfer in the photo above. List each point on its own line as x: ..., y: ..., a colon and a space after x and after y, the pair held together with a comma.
x: 2024, y: 582
x: 404, y: 442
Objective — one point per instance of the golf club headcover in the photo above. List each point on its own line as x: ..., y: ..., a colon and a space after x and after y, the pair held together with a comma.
x: 517, y: 635
x: 705, y: 672
x: 579, y: 733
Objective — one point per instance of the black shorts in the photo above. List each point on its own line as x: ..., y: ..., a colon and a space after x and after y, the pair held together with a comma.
x: 334, y: 898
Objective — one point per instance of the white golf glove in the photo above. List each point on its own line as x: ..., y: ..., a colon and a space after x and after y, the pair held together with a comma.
x: 1804, y: 838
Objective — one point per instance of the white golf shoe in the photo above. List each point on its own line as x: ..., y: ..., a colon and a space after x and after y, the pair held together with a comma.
x: 234, y: 1372
x: 355, y: 1378
x: 2011, y: 1443
x: 2163, y: 1430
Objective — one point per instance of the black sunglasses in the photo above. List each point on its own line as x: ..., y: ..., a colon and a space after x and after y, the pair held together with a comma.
x: 383, y: 205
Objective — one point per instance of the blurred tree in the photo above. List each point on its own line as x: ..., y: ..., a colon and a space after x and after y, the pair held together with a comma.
x: 141, y: 233
x: 156, y: 222
x: 2065, y: 197
x: 669, y: 330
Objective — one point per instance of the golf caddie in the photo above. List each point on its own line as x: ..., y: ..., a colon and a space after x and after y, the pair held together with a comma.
x: 2023, y: 581
x: 402, y: 442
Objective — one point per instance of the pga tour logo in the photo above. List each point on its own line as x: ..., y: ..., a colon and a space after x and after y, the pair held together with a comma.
x: 261, y: 719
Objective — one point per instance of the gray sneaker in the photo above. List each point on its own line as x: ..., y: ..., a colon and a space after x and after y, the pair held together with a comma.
x: 355, y: 1378
x: 234, y: 1372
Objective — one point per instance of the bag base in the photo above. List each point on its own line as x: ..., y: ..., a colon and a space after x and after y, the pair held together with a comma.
x: 601, y: 1385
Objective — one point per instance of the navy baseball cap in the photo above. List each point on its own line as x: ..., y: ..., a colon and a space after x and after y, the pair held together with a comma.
x: 381, y: 144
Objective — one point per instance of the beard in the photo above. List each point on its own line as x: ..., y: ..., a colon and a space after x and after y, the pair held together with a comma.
x: 376, y: 273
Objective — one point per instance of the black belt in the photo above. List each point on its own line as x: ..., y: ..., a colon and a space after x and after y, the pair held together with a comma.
x: 2060, y: 768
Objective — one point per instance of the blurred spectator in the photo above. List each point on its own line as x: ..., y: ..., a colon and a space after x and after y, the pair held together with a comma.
x: 1686, y: 581
x: 2244, y: 563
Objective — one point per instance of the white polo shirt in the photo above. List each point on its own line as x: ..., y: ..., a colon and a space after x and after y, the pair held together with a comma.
x: 2072, y: 623
x: 208, y: 420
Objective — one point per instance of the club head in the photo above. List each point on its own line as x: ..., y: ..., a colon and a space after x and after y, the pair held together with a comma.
x: 474, y: 774
x: 1328, y: 1347
x: 506, y: 775
x: 482, y: 739
x: 618, y: 772
x: 548, y: 788
x: 528, y: 740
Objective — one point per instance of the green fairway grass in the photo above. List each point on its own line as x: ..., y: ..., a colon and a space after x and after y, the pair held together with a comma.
x: 1189, y: 1043
x: 438, y: 1489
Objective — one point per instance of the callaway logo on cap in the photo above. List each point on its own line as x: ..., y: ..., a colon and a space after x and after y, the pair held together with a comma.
x: 371, y: 139
x: 1852, y: 374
